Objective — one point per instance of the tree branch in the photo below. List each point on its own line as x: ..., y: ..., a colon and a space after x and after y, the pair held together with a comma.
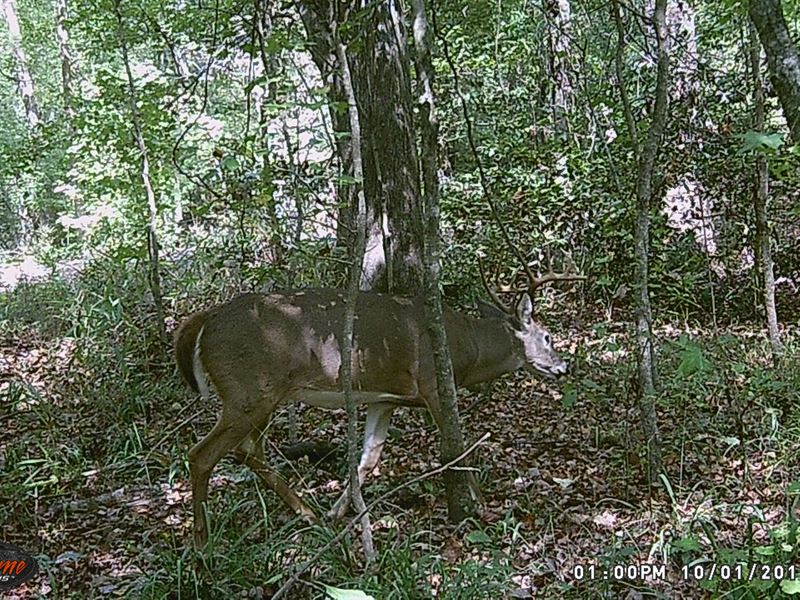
x: 295, y: 577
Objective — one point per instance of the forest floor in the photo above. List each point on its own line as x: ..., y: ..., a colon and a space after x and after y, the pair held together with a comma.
x: 96, y: 486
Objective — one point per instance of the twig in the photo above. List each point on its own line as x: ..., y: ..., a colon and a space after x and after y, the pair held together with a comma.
x: 310, y: 562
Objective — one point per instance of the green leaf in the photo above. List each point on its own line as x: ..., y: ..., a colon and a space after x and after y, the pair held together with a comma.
x: 342, y: 594
x: 756, y: 140
x: 763, y: 585
x: 591, y: 385
x: 692, y: 360
x: 569, y: 397
x: 686, y: 544
x: 790, y: 586
x: 229, y: 163
x: 250, y: 49
x: 730, y: 441
x: 346, y: 179
x: 478, y: 537
x: 707, y: 584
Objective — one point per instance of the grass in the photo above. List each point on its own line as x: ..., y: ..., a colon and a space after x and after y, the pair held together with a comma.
x: 95, y: 482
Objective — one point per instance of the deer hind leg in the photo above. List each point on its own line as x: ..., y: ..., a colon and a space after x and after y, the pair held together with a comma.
x: 375, y: 429
x: 253, y: 445
x: 245, y: 409
x: 276, y: 483
x: 250, y: 452
x: 203, y: 457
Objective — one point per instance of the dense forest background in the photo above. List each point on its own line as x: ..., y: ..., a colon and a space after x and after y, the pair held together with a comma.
x: 159, y: 157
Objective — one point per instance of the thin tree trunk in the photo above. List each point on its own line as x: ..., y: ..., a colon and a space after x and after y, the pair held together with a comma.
x: 459, y: 504
x: 760, y: 198
x: 263, y: 29
x: 644, y: 198
x: 559, y: 37
x: 154, y: 275
x: 65, y: 53
x: 782, y: 57
x: 22, y: 70
x: 619, y: 63
x: 346, y: 345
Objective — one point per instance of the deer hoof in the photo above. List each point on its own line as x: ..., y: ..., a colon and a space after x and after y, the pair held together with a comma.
x: 339, y: 509
x: 308, y: 515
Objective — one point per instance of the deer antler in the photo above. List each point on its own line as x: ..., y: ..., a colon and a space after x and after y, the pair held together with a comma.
x: 495, y: 298
x: 536, y: 282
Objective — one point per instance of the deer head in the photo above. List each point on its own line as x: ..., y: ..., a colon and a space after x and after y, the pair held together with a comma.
x: 535, y: 344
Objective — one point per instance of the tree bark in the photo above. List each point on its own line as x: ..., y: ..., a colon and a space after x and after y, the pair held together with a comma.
x: 459, y: 503
x: 381, y: 82
x: 619, y: 64
x: 760, y: 199
x: 346, y: 345
x: 684, y: 59
x: 66, y: 55
x: 559, y: 38
x: 782, y: 57
x: 263, y: 28
x: 644, y: 197
x: 322, y: 52
x: 23, y: 73
x: 154, y: 275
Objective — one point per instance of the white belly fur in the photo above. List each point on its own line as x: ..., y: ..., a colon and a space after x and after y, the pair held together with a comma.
x: 331, y: 400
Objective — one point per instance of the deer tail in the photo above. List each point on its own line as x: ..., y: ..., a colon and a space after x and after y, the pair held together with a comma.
x: 187, y: 352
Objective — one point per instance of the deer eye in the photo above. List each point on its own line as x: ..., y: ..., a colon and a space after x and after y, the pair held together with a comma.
x: 547, y: 338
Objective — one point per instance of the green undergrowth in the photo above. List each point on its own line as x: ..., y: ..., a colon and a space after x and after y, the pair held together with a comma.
x: 95, y: 477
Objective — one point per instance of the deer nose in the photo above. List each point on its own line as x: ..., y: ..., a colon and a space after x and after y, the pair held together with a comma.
x: 565, y: 369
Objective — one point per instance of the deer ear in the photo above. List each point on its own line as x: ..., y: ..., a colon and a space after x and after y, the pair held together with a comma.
x: 524, y: 309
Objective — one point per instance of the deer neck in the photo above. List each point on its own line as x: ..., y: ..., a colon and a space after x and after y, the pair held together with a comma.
x: 492, y: 352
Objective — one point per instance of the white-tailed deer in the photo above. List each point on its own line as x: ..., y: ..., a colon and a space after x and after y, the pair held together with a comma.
x: 262, y: 350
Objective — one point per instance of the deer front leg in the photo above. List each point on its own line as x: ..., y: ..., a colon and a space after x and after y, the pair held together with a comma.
x: 375, y: 430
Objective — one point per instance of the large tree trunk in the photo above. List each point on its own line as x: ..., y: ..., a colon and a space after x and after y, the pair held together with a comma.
x: 644, y: 199
x: 782, y: 56
x: 459, y: 504
x: 381, y: 82
x: 22, y: 71
x: 154, y: 274
x: 760, y: 198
